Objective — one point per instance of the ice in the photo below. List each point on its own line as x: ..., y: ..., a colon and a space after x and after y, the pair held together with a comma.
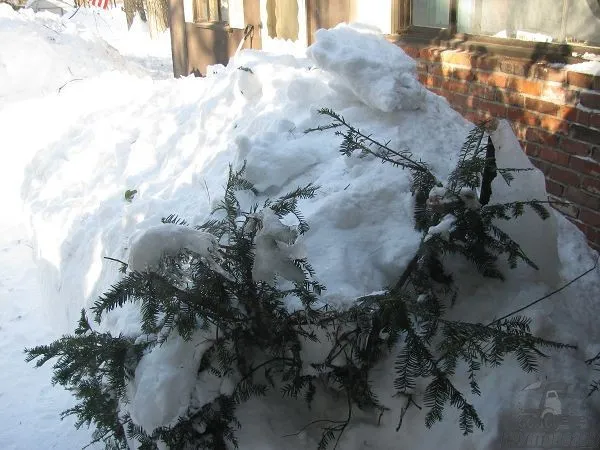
x: 379, y: 73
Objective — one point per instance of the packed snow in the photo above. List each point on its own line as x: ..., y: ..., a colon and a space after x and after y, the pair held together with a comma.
x: 73, y: 153
x: 587, y: 67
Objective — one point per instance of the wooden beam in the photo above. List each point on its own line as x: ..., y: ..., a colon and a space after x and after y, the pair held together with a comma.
x: 179, y: 50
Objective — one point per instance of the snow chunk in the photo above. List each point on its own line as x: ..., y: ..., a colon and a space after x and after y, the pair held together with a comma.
x: 149, y: 246
x: 164, y: 381
x: 378, y: 72
x: 536, y: 237
x: 588, y: 67
x: 275, y: 249
x: 469, y: 197
x: 443, y: 228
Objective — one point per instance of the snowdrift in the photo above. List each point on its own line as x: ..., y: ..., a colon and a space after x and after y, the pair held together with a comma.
x: 41, y: 53
x: 172, y: 141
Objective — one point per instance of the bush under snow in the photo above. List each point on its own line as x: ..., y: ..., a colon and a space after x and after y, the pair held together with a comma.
x: 172, y: 140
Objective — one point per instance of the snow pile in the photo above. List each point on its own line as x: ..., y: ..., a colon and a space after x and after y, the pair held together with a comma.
x: 173, y: 140
x: 588, y: 67
x: 43, y: 53
x: 381, y: 75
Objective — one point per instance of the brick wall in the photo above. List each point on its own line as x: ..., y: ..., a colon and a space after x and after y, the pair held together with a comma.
x: 555, y: 114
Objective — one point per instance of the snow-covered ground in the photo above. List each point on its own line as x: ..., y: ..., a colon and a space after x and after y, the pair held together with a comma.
x: 87, y: 112
x: 38, y: 55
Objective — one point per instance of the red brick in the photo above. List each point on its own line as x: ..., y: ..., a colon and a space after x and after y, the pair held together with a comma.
x: 554, y: 124
x: 432, y: 81
x: 591, y: 184
x: 542, y: 165
x: 583, y: 80
x: 595, y: 120
x: 585, y: 166
x: 510, y: 98
x: 429, y: 53
x: 482, y: 91
x: 585, y: 134
x: 460, y: 87
x: 590, y: 100
x: 436, y: 69
x: 542, y: 137
x: 583, y: 117
x: 422, y: 66
x: 511, y: 66
x: 493, y: 108
x: 531, y: 149
x: 485, y: 62
x: 413, y: 52
x: 564, y: 176
x: 525, y: 86
x: 559, y: 94
x: 457, y: 73
x: 554, y: 156
x: 523, y: 116
x: 575, y: 147
x: 554, y: 188
x: 582, y: 198
x: 568, y: 113
x: 596, y: 154
x: 457, y: 57
x: 591, y: 218
x: 541, y: 106
x: 496, y: 79
x: 544, y: 72
x: 464, y: 101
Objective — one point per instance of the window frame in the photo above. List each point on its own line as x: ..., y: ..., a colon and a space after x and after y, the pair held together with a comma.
x: 448, y: 37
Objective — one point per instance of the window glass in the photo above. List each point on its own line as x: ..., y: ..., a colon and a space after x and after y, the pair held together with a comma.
x: 210, y: 11
x: 282, y: 19
x: 431, y: 13
x: 532, y: 20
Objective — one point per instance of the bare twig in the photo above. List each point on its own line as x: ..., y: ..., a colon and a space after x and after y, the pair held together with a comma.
x: 556, y: 291
x: 76, y: 11
x: 70, y: 81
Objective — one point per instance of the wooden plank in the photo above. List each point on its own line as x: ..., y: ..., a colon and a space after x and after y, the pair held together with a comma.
x: 179, y: 48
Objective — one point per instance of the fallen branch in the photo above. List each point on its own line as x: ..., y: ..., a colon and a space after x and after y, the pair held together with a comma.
x: 70, y: 81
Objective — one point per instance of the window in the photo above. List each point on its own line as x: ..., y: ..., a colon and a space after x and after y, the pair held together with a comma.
x: 211, y: 10
x: 556, y: 21
x: 282, y: 19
